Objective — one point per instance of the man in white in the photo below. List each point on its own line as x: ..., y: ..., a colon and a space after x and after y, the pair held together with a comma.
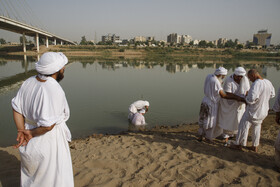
x: 256, y: 111
x: 276, y: 108
x: 139, y: 118
x: 40, y: 111
x: 213, y: 92
x: 230, y: 111
x: 137, y: 106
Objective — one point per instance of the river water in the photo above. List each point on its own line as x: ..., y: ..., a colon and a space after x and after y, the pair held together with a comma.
x: 100, y: 92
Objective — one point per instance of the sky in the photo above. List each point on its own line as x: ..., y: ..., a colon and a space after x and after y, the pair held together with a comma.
x: 201, y: 19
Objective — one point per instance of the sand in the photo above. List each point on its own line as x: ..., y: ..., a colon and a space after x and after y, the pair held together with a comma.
x: 163, y: 156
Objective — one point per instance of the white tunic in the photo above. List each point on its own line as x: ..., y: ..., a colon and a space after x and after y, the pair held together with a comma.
x: 276, y: 108
x: 46, y: 159
x: 258, y: 99
x: 231, y: 111
x: 138, y: 119
x: 209, y: 105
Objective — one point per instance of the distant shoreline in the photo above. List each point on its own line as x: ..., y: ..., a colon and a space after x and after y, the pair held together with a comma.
x: 115, y: 52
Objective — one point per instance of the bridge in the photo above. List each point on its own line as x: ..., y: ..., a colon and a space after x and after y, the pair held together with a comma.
x: 9, y: 8
x: 24, y: 29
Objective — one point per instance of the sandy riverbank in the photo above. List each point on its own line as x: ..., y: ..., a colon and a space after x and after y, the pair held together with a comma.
x: 164, y: 156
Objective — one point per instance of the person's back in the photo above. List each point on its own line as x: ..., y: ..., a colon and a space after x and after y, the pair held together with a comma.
x: 39, y: 97
x: 212, y: 86
x: 258, y: 98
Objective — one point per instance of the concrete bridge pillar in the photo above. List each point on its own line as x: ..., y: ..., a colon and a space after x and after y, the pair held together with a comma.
x: 55, y: 41
x: 61, y: 42
x: 23, y: 42
x: 47, y: 42
x: 37, y: 42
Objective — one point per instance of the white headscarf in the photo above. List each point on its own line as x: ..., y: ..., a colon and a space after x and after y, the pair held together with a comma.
x: 50, y: 63
x: 240, y: 71
x: 147, y: 103
x: 221, y: 71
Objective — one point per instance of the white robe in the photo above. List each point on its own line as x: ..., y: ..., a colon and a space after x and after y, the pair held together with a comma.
x: 134, y: 107
x: 46, y: 159
x: 209, y: 106
x: 231, y: 111
x: 257, y: 109
x: 138, y: 119
x: 276, y: 108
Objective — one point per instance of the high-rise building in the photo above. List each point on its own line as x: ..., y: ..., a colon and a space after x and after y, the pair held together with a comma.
x: 186, y: 39
x: 262, y: 38
x: 140, y: 39
x: 175, y: 38
x: 110, y: 38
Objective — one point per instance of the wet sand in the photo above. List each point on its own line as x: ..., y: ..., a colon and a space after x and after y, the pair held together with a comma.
x: 163, y: 156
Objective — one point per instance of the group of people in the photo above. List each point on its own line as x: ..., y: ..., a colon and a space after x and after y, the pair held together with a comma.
x: 40, y: 112
x: 232, y: 107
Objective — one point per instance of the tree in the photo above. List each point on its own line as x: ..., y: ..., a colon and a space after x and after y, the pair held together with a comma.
x: 83, y: 41
x: 21, y: 39
x: 202, y: 43
x: 2, y: 41
x: 239, y: 46
x: 191, y: 43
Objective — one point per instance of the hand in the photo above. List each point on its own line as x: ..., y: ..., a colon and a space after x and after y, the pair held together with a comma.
x: 20, y: 139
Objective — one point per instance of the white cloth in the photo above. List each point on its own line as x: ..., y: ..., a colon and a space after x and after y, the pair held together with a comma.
x: 46, y: 159
x: 276, y: 108
x: 50, y: 63
x: 258, y: 99
x: 240, y: 71
x: 257, y: 109
x: 231, y: 111
x: 138, y: 119
x: 221, y: 71
x: 134, y: 107
x: 209, y: 106
x: 243, y: 129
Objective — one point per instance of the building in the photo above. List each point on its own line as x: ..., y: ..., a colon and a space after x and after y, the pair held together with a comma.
x: 110, y: 38
x: 173, y: 38
x: 262, y: 38
x: 150, y: 38
x: 186, y: 39
x: 139, y: 39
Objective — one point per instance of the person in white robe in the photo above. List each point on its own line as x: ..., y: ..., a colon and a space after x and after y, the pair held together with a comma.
x: 139, y: 118
x: 137, y: 106
x: 213, y: 92
x: 276, y: 108
x: 40, y: 111
x: 257, y: 100
x: 231, y: 111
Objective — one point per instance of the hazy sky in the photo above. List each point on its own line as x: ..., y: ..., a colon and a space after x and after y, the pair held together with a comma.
x: 202, y: 19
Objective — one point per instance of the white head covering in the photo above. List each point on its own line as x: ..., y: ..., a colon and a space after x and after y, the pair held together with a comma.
x: 221, y: 71
x: 147, y: 103
x: 240, y: 71
x: 142, y: 111
x: 50, y: 63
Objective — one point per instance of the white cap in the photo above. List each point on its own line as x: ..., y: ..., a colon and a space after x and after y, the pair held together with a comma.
x: 50, y: 63
x: 221, y: 71
x: 240, y: 71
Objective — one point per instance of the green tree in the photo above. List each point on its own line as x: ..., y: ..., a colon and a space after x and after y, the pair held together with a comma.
x: 202, y: 43
x: 21, y: 39
x: 2, y: 41
x: 239, y: 46
x: 83, y: 41
x: 191, y: 43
